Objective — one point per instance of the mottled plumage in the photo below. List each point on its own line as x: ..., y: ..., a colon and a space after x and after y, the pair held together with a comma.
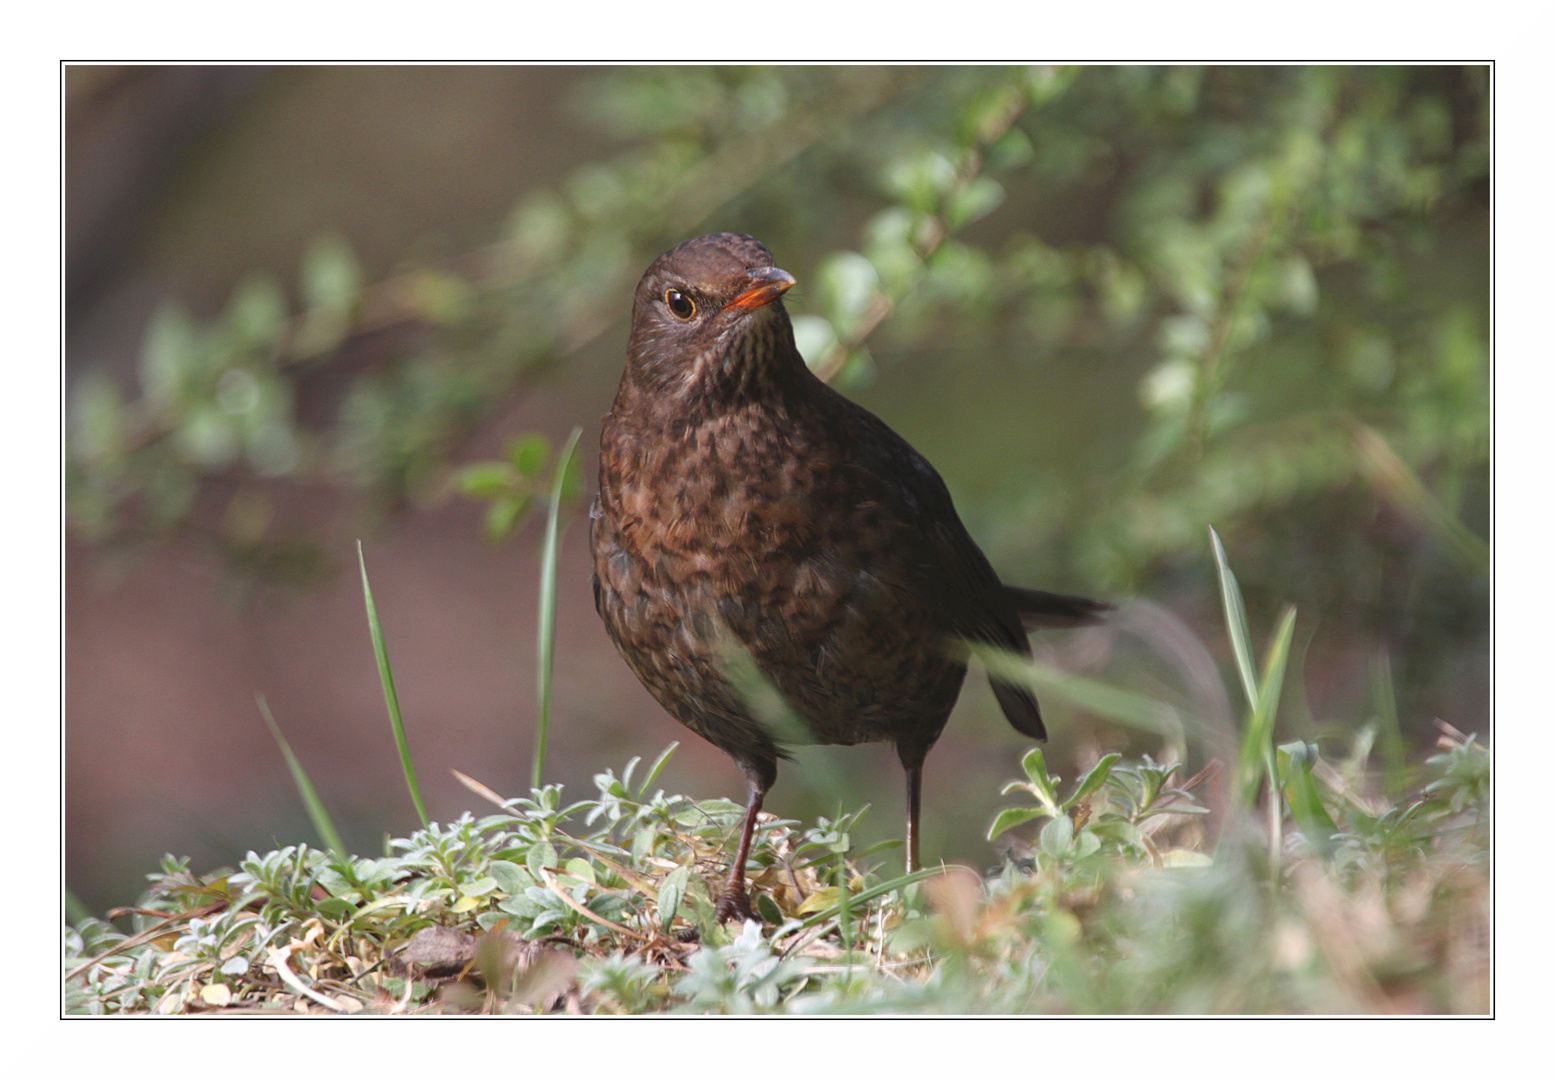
x: 746, y: 509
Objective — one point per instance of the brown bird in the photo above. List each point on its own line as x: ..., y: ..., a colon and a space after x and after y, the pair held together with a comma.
x: 753, y: 521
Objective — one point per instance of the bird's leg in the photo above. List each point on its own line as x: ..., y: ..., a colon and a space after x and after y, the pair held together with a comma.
x: 735, y: 903
x: 911, y: 753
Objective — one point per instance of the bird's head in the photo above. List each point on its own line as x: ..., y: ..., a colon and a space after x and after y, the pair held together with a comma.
x: 709, y: 319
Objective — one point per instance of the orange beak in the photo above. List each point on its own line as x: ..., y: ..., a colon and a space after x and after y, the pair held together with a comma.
x: 767, y: 284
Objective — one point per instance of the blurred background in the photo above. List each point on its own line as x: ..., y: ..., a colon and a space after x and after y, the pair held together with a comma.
x: 1113, y: 305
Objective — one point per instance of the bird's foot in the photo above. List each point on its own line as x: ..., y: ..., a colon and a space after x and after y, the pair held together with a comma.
x: 735, y: 904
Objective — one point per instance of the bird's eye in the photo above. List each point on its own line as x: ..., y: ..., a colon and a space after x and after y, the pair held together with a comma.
x: 680, y: 304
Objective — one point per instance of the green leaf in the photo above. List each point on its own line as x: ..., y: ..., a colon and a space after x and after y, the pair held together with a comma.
x: 643, y: 841
x: 528, y: 454
x: 973, y: 203
x: 581, y: 869
x: 504, y: 516
x: 521, y: 906
x: 1047, y: 82
x: 919, y: 181
x: 1010, y: 151
x: 620, y: 787
x: 990, y: 113
x: 256, y: 315
x: 543, y: 924
x: 1236, y: 620
x: 914, y: 934
x: 671, y: 891
x: 331, y: 276
x: 238, y: 393
x: 1035, y: 766
x: 511, y: 878
x: 1057, y: 835
x: 657, y: 766
x: 168, y: 354
x: 1301, y: 794
x: 208, y: 437
x: 1151, y: 780
x: 848, y: 288
x: 1093, y: 779
x: 539, y: 228
x: 479, y: 887
x: 1010, y: 818
x: 390, y: 696
x: 767, y: 908
x: 542, y: 856
x: 486, y: 479
x: 1298, y: 284
x: 336, y: 909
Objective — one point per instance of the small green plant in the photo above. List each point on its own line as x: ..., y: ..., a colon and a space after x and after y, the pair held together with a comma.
x: 1107, y: 811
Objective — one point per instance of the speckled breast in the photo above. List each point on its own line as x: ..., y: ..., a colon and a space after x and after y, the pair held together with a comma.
x: 734, y: 537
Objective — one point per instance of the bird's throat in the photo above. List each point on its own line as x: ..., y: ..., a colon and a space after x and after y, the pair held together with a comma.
x: 755, y: 360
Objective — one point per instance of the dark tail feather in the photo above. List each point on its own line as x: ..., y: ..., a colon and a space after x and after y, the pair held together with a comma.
x: 1053, y: 611
x: 1039, y: 611
x: 1020, y: 709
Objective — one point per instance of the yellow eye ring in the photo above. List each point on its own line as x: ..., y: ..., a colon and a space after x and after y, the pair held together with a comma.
x: 681, y: 306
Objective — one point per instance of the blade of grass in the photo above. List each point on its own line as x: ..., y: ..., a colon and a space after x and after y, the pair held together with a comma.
x: 1394, y: 778
x: 390, y: 697
x: 844, y: 904
x: 1399, y: 484
x: 1236, y: 620
x: 1258, y: 741
x: 547, y: 633
x: 310, y: 798
x: 1115, y: 703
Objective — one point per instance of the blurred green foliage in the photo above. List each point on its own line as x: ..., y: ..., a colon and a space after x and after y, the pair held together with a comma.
x: 1286, y: 266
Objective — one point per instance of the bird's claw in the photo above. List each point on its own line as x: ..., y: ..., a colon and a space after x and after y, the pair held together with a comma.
x: 734, y: 904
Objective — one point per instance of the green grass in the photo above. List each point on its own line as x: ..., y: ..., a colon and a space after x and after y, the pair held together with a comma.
x: 546, y: 636
x: 1325, y: 884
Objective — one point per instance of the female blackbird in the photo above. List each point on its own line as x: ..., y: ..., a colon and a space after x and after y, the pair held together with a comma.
x: 754, y: 528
